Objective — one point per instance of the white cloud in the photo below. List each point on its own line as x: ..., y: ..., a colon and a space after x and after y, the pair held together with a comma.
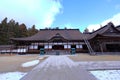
x: 92, y: 27
x: 39, y: 12
x: 115, y: 20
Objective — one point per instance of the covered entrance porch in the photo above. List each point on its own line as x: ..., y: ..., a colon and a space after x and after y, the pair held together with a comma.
x: 58, y: 47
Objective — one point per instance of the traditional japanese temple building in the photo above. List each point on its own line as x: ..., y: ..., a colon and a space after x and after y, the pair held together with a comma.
x: 105, y: 39
x: 52, y: 40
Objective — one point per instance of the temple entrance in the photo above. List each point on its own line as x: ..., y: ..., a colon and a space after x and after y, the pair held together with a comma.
x: 58, y: 47
x: 113, y: 47
x: 40, y: 46
x: 73, y: 46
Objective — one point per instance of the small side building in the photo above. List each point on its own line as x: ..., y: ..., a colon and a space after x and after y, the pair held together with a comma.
x: 105, y: 39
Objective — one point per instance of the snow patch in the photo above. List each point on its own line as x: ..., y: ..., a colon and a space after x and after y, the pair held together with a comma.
x: 30, y: 63
x: 56, y: 61
x: 107, y: 74
x: 12, y: 75
x: 100, y: 65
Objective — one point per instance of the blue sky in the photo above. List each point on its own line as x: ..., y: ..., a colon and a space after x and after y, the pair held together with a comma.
x: 62, y: 13
x: 82, y: 13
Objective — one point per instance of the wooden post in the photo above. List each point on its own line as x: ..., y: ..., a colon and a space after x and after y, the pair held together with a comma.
x: 101, y: 48
x: 104, y: 47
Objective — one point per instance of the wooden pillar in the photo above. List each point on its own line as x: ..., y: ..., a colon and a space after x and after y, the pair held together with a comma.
x: 104, y: 47
x: 101, y: 48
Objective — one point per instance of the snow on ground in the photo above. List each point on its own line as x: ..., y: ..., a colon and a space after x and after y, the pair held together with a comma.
x: 30, y: 63
x: 99, y: 74
x: 58, y: 68
x: 99, y: 65
x: 107, y: 74
x: 11, y: 75
x: 56, y: 61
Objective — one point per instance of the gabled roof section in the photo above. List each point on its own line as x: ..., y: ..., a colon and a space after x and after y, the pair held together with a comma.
x: 47, y: 34
x: 107, y: 30
x: 118, y: 27
x: 57, y: 37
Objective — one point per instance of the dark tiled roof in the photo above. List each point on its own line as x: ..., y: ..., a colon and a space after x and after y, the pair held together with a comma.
x: 105, y: 31
x: 118, y: 27
x: 47, y: 34
x: 108, y: 30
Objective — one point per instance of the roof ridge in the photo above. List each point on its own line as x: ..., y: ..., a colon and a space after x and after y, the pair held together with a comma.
x: 57, y: 29
x: 98, y: 29
x: 107, y: 26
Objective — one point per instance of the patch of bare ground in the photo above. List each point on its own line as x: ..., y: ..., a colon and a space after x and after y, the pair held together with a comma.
x: 87, y: 57
x: 10, y: 63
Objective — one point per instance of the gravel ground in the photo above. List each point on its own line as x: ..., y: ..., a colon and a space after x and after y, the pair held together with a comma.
x: 87, y: 57
x: 11, y: 63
